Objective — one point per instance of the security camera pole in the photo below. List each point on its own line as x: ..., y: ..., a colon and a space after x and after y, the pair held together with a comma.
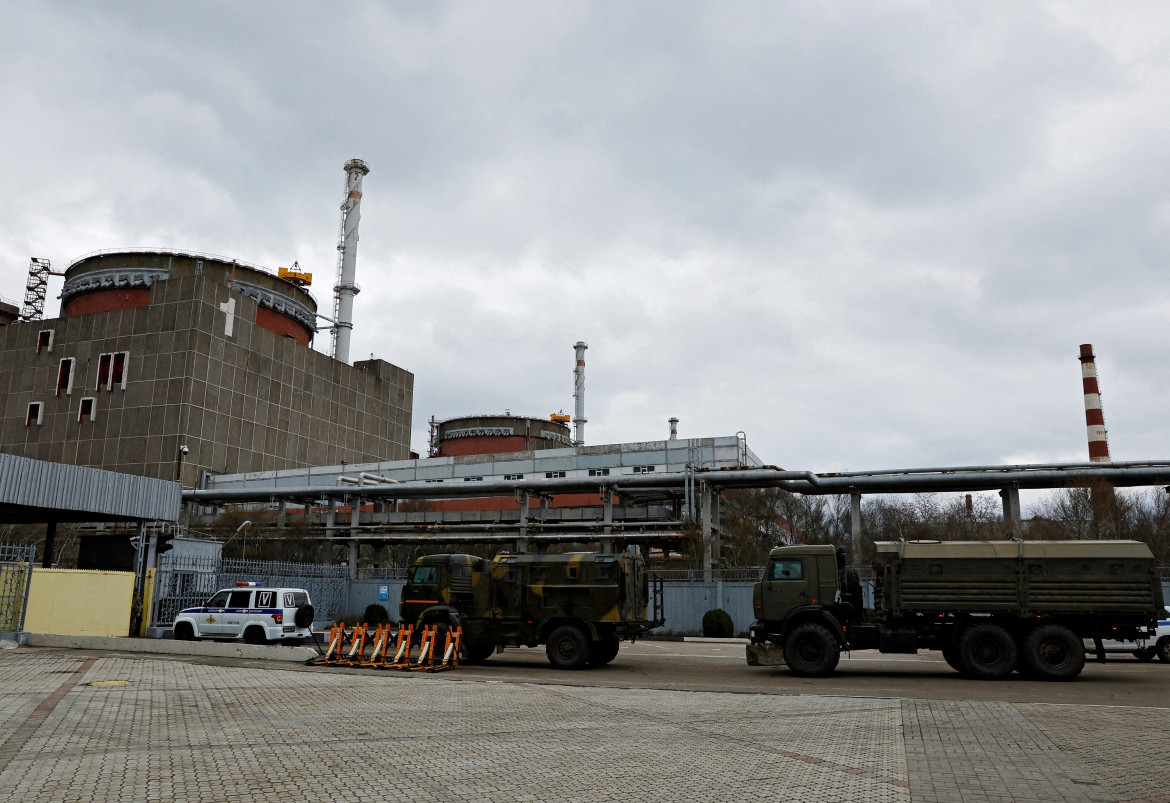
x: 183, y: 452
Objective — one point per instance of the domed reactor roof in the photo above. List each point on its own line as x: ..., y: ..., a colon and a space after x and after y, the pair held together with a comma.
x: 114, y: 280
x: 495, y: 434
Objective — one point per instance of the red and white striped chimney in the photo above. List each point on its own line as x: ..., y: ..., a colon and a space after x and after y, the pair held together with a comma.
x: 1094, y: 418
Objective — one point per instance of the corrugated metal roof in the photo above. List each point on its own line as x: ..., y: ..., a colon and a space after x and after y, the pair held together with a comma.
x: 37, y: 490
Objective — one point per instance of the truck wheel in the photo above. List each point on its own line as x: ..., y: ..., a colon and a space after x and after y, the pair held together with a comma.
x: 567, y: 648
x: 987, y: 652
x: 1146, y: 655
x: 950, y: 654
x: 811, y: 651
x: 1164, y: 650
x: 477, y: 653
x: 1053, y: 652
x: 602, y: 652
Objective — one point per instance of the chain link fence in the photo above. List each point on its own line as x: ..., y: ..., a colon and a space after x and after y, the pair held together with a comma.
x: 16, y: 565
x: 187, y: 581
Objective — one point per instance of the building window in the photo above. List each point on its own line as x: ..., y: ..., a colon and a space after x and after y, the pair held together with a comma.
x: 553, y: 475
x: 45, y: 340
x: 432, y: 480
x: 65, y: 377
x: 472, y: 479
x: 599, y: 472
x: 86, y: 411
x: 112, y: 370
x: 643, y: 469
x: 118, y: 373
x: 36, y: 411
x: 513, y: 476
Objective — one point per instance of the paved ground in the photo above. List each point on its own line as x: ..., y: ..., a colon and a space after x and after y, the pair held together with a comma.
x: 168, y: 728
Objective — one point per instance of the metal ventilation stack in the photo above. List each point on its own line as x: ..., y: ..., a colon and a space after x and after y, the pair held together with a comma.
x: 346, y: 289
x: 579, y: 418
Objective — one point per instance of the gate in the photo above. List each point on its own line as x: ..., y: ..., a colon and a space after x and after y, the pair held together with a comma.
x: 187, y: 581
x: 16, y: 565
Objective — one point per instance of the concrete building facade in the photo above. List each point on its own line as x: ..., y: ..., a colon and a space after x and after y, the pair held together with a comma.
x: 156, y: 350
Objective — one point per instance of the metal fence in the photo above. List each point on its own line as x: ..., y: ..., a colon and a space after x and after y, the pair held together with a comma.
x: 16, y: 565
x: 187, y: 581
x: 746, y: 574
x: 383, y: 572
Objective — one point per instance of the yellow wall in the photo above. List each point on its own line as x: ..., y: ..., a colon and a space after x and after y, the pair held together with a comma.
x: 147, y: 604
x: 74, y: 602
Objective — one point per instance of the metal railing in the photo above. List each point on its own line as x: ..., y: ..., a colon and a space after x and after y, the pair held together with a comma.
x: 383, y: 572
x: 747, y: 574
x: 16, y: 565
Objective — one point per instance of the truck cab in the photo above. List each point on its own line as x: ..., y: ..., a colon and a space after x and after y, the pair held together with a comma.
x: 804, y: 605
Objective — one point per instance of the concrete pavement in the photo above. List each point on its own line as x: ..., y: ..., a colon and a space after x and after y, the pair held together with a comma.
x: 152, y: 727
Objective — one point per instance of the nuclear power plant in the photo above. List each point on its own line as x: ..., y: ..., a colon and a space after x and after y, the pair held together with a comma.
x: 179, y: 365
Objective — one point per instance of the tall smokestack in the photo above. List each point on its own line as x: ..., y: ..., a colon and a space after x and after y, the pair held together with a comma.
x: 579, y: 418
x: 673, y: 428
x: 345, y: 289
x: 1094, y: 418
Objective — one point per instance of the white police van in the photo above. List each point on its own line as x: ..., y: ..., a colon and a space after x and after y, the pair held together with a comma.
x: 254, y: 613
x: 1144, y: 649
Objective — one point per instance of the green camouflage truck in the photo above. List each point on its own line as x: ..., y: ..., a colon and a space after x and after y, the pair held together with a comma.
x: 579, y: 605
x: 990, y: 607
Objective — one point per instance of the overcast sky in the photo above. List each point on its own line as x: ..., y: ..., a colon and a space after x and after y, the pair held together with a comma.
x: 868, y: 235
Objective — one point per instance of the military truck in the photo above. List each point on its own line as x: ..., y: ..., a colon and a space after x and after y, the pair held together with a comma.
x: 579, y: 605
x: 990, y: 607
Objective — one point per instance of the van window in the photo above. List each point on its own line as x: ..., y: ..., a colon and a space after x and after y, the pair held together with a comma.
x: 295, y: 599
x: 787, y: 570
x: 265, y: 599
x: 240, y: 599
x: 218, y: 601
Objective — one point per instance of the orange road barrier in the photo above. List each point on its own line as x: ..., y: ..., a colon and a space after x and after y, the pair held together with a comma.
x: 401, y: 648
x: 426, y: 653
x: 357, y: 649
x: 336, y: 642
x: 381, y: 637
x: 450, y: 658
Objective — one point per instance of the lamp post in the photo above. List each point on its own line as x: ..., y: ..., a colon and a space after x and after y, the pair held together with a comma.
x: 242, y: 528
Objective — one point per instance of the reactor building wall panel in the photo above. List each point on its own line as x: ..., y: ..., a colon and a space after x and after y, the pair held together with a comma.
x: 124, y: 388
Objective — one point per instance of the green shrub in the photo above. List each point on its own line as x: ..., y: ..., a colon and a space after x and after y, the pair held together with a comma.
x: 717, y: 624
x: 376, y: 614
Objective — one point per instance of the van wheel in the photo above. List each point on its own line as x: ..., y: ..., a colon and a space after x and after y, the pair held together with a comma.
x: 184, y: 632
x: 567, y: 648
x: 987, y: 652
x: 1164, y: 650
x: 255, y: 635
x: 1053, y: 652
x: 811, y: 651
